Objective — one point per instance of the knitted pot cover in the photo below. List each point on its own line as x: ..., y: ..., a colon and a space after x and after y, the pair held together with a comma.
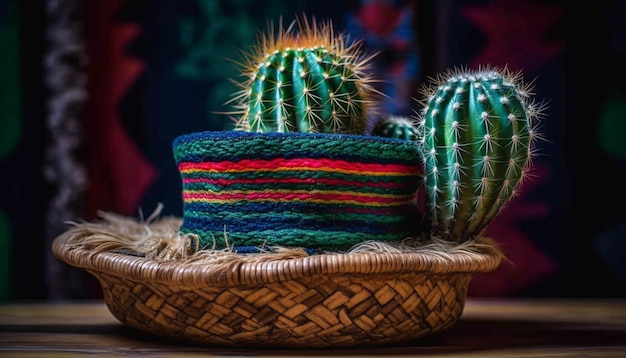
x: 252, y: 191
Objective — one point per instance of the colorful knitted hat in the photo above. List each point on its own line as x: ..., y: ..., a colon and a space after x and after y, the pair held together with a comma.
x: 248, y: 191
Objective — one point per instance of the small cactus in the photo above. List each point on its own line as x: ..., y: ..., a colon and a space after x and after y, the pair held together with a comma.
x: 393, y: 126
x: 477, y: 134
x: 304, y: 81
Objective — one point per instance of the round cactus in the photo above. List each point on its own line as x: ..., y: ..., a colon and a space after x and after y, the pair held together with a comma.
x: 305, y: 80
x: 477, y: 133
x: 399, y: 127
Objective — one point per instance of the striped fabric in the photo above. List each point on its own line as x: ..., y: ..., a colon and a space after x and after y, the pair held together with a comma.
x: 316, y: 191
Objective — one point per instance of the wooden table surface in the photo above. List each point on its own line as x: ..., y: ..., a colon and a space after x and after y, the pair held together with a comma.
x: 487, y: 328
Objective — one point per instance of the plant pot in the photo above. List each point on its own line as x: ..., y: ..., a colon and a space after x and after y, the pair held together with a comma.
x: 319, y: 191
x: 269, y: 300
x: 286, y: 240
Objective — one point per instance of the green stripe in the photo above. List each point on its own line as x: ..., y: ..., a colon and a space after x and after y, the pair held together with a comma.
x: 328, y: 240
x: 235, y: 145
x: 290, y: 186
x: 343, y: 217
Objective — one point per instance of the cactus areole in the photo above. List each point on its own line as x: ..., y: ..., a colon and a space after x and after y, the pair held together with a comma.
x: 304, y: 81
x: 399, y: 127
x: 477, y: 138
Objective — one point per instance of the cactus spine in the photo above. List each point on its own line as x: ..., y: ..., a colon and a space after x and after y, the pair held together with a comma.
x: 307, y: 81
x: 477, y: 136
x: 399, y: 127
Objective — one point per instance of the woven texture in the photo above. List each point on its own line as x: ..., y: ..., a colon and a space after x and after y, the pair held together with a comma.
x: 326, y: 300
x: 319, y: 191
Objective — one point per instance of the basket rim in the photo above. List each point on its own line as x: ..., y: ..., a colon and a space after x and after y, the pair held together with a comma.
x: 241, y: 273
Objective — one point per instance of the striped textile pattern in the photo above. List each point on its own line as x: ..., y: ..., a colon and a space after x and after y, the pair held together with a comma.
x: 250, y: 191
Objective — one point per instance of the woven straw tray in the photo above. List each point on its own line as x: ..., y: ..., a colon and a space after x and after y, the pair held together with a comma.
x: 325, y: 300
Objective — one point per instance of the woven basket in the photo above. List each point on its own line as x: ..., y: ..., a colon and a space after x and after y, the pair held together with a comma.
x: 308, y: 205
x: 323, y: 300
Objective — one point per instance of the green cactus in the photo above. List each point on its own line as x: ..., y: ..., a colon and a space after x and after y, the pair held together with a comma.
x: 304, y: 81
x: 477, y: 134
x: 399, y: 127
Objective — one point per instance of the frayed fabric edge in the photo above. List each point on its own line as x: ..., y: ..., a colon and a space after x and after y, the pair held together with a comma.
x: 158, y: 238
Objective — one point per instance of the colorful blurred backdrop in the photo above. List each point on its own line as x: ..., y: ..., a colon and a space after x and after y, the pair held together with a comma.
x: 92, y: 93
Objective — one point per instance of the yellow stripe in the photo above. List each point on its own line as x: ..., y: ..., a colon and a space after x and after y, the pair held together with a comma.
x: 351, y: 202
x: 289, y: 191
x: 308, y: 169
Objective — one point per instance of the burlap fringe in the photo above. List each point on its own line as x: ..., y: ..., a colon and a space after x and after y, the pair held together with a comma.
x: 158, y: 238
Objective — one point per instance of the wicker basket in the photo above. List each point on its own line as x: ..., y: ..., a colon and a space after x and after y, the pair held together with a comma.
x: 302, y: 202
x: 324, y: 300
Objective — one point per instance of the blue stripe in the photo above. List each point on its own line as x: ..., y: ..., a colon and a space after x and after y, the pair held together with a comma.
x: 245, y: 207
x: 238, y: 225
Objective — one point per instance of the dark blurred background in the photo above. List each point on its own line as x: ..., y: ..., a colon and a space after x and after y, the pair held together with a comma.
x: 93, y: 92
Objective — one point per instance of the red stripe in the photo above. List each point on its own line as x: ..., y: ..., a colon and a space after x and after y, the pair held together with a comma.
x: 249, y: 164
x: 327, y: 181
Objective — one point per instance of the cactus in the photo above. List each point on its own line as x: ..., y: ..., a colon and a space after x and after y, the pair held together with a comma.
x: 477, y: 134
x: 304, y: 81
x: 393, y: 126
